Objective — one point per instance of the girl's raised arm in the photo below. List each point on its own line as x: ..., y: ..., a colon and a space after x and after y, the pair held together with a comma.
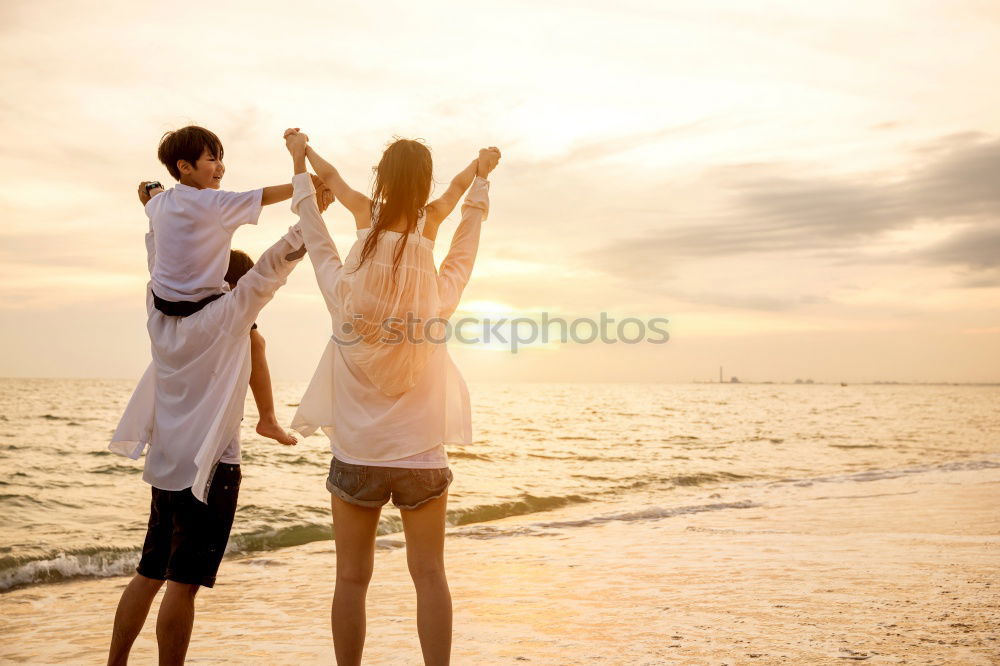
x: 354, y: 201
x: 441, y: 207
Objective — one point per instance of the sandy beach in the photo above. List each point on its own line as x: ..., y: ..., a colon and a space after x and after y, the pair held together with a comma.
x: 883, y: 570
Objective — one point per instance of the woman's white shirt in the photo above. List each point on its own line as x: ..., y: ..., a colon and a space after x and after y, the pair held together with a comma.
x: 381, y: 403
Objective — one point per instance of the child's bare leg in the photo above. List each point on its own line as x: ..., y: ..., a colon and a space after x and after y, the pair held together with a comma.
x: 260, y: 385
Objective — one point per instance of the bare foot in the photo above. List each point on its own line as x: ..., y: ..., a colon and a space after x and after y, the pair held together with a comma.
x: 274, y: 431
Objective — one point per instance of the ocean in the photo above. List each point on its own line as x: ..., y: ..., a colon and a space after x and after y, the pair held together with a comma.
x: 72, y: 509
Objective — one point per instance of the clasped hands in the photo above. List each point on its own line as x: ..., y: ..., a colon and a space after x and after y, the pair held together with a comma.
x: 295, y: 142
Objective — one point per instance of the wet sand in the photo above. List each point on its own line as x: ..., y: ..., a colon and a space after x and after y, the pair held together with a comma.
x: 889, y: 571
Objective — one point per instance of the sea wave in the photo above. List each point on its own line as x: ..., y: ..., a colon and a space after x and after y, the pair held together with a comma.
x: 543, y: 528
x: 106, y: 561
x: 693, y: 479
x: 991, y: 462
x: 102, y: 562
x: 526, y: 504
x: 268, y: 538
x: 94, y: 562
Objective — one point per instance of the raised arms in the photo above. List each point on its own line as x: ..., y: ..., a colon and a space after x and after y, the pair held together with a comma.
x: 278, y: 193
x: 456, y: 269
x: 295, y: 142
x: 144, y: 197
x: 441, y: 207
x: 144, y: 194
x: 354, y: 201
x: 275, y: 194
x: 319, y: 244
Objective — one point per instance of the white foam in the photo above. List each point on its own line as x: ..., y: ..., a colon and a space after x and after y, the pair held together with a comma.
x: 70, y: 565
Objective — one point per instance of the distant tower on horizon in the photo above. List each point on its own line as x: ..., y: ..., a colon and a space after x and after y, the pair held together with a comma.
x: 720, y: 374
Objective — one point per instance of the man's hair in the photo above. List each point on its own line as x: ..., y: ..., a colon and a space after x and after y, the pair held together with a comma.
x: 187, y: 144
x: 239, y: 263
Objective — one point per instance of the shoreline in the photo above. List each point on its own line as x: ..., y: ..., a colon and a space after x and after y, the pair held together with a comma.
x: 748, y: 382
x: 896, y: 569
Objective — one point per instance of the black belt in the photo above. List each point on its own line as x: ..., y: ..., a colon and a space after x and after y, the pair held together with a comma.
x: 181, y: 308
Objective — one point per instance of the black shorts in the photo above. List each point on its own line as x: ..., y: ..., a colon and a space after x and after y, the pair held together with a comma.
x: 186, y: 539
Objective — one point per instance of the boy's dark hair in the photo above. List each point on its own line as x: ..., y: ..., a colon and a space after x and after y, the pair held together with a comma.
x: 187, y: 144
x: 239, y: 263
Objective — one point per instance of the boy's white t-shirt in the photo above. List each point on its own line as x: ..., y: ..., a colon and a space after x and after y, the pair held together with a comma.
x: 193, y: 231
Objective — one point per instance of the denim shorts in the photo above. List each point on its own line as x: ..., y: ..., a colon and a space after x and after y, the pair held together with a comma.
x: 372, y: 486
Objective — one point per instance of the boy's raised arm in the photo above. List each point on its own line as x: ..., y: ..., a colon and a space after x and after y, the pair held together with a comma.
x: 275, y: 194
x: 278, y: 193
x: 145, y: 194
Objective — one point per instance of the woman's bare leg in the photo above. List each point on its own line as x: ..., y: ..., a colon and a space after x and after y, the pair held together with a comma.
x: 424, y: 529
x: 354, y: 530
x: 260, y: 385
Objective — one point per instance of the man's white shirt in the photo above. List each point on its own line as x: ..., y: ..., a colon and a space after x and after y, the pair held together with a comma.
x: 189, y: 403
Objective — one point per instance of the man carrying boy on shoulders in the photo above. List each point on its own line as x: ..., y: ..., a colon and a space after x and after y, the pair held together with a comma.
x: 189, y: 404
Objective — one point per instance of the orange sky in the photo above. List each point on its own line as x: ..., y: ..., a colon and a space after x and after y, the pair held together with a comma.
x: 803, y: 190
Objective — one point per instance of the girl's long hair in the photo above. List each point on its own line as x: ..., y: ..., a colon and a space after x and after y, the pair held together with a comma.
x: 402, y: 186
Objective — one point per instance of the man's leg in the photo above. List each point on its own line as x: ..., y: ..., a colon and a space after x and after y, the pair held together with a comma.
x: 174, y: 622
x: 133, y: 608
x: 198, y: 543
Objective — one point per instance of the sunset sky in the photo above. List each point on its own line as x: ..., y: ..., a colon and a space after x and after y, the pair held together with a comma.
x: 803, y: 189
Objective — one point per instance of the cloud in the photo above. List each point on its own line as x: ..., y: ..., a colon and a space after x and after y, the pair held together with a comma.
x: 790, y: 212
x: 584, y: 153
x: 768, y: 209
x: 981, y: 280
x: 761, y: 302
x: 959, y: 181
x: 596, y: 150
x: 977, y: 248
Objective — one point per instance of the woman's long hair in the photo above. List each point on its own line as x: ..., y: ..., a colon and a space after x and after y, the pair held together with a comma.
x: 402, y: 186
